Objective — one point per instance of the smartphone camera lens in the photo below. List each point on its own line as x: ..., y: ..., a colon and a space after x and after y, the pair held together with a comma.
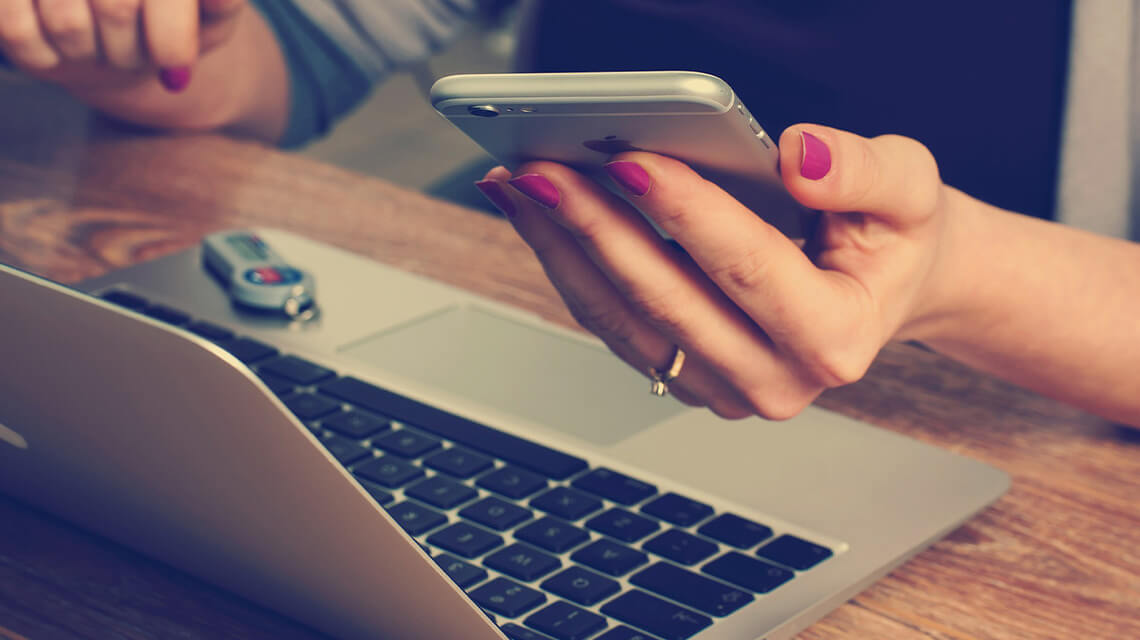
x: 484, y: 110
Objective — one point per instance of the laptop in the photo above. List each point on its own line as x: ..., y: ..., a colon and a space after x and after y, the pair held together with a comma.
x: 420, y: 462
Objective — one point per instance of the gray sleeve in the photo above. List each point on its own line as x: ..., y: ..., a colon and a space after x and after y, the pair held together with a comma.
x: 382, y: 35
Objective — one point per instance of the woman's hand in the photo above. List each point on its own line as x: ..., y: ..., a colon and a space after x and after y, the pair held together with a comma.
x: 766, y: 325
x: 86, y: 45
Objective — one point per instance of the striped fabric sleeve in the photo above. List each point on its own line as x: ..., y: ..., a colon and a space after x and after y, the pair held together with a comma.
x: 337, y: 50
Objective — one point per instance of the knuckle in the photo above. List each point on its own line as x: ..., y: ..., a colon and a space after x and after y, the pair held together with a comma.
x: 863, y: 182
x: 588, y: 230
x: 68, y: 22
x: 685, y: 197
x: 831, y: 369
x: 778, y: 405
x: 117, y: 13
x: 918, y: 181
x: 747, y: 271
x: 661, y: 307
x: 611, y: 325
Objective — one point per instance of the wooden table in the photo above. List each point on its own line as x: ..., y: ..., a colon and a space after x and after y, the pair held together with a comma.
x: 1058, y: 557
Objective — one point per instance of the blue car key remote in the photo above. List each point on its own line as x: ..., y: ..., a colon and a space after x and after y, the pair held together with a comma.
x: 255, y: 276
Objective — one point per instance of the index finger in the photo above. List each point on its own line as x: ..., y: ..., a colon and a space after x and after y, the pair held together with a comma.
x: 760, y: 269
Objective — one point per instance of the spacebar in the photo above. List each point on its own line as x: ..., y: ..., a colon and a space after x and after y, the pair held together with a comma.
x: 526, y: 454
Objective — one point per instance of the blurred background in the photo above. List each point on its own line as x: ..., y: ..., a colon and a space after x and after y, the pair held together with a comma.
x: 394, y: 135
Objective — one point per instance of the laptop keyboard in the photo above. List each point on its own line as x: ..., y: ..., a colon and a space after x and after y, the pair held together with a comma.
x: 549, y: 545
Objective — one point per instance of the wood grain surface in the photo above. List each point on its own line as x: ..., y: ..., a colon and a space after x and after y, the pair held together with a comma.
x: 1057, y: 557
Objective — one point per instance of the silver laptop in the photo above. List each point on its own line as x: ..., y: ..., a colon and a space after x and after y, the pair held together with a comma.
x: 420, y: 462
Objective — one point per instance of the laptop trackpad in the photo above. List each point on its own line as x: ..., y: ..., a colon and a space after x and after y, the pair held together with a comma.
x: 519, y: 369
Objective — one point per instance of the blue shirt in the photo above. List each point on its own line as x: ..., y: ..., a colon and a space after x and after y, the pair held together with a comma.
x: 337, y: 50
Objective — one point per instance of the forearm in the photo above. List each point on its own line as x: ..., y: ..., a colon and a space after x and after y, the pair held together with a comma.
x: 1048, y: 307
x: 241, y: 87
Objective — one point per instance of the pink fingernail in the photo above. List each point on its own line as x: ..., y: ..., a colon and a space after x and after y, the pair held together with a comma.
x: 537, y: 188
x: 175, y: 79
x: 498, y: 197
x: 816, y: 160
x: 631, y: 176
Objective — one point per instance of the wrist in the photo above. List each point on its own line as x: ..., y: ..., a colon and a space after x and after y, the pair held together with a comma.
x: 956, y: 276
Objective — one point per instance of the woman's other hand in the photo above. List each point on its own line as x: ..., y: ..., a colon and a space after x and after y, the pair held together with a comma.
x: 88, y: 45
x: 766, y: 325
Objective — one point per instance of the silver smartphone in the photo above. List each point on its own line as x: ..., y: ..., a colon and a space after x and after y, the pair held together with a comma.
x: 582, y: 119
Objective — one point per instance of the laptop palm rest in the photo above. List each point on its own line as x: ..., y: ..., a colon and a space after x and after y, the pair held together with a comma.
x: 538, y: 375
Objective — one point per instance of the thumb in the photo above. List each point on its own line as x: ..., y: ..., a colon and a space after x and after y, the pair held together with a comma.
x: 890, y: 177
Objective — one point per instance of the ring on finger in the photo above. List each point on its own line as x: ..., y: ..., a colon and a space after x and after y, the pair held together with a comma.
x: 661, y: 379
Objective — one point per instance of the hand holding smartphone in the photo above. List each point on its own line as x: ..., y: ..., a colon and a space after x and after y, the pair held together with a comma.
x: 582, y: 119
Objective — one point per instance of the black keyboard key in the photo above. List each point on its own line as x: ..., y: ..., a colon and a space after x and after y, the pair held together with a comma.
x: 614, y: 486
x: 522, y: 561
x: 655, y: 615
x: 691, y: 589
x: 622, y: 525
x: 345, y: 451
x: 515, y: 632
x: 507, y: 597
x: 681, y: 547
x: 416, y: 518
x: 168, y: 315
x: 515, y: 450
x: 388, y: 471
x: 125, y: 299
x: 495, y: 513
x: 564, y: 621
x: 736, y: 531
x: 512, y: 482
x: 296, y: 369
x: 381, y: 496
x: 465, y: 539
x: 462, y: 573
x: 279, y: 386
x: 678, y: 510
x: 582, y: 586
x: 624, y: 633
x: 567, y: 503
x: 209, y: 331
x: 310, y: 406
x: 552, y: 534
x: 794, y: 552
x: 441, y: 492
x: 356, y: 424
x: 459, y: 462
x: 407, y: 443
x: 247, y: 349
x: 610, y: 557
x: 748, y: 572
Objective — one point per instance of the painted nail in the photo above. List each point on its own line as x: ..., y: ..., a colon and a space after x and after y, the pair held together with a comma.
x: 630, y: 176
x: 816, y: 160
x: 498, y: 197
x: 174, y: 79
x: 537, y: 188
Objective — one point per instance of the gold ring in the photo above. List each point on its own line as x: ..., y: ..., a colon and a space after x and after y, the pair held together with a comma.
x: 661, y: 380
